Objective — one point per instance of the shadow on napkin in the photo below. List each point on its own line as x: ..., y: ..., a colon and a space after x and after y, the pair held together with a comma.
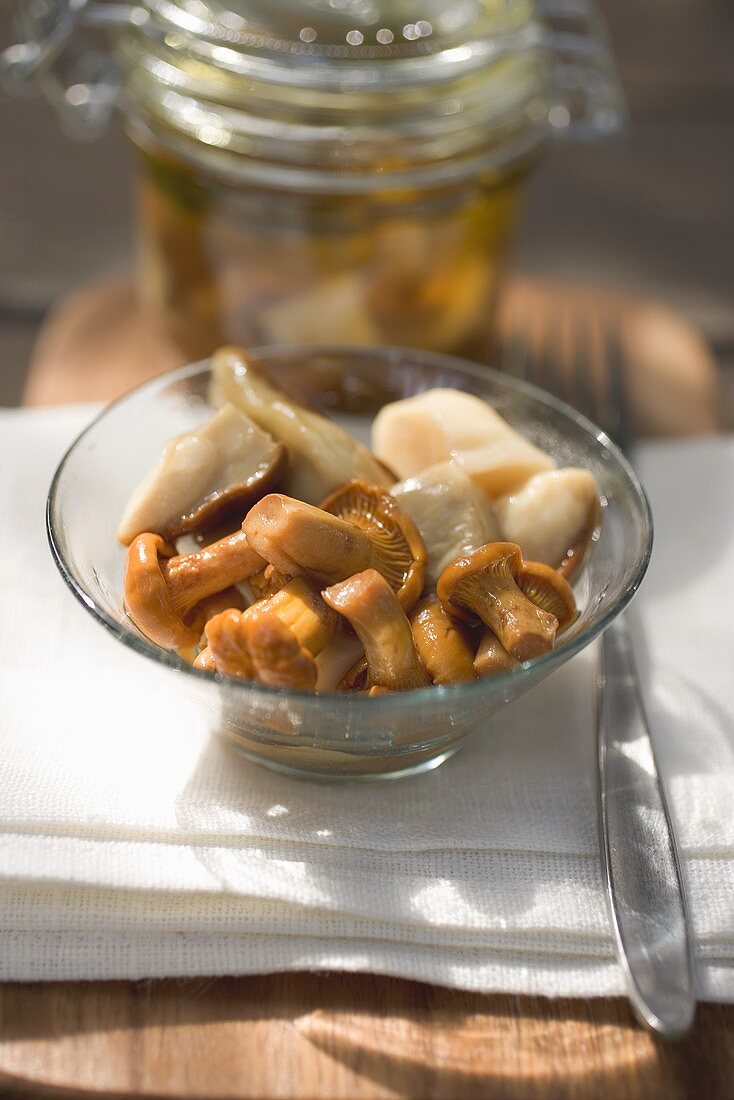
x: 469, y: 845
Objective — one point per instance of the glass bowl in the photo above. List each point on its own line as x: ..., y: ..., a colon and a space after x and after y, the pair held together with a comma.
x: 331, y: 736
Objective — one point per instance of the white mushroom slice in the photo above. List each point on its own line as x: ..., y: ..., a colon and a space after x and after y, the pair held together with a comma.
x: 452, y: 514
x: 226, y: 463
x: 443, y: 424
x: 336, y: 306
x: 552, y: 517
x: 321, y: 455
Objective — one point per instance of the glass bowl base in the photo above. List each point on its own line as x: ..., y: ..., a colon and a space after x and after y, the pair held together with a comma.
x: 350, y: 767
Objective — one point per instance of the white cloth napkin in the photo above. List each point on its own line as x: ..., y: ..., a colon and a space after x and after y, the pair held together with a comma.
x: 135, y: 844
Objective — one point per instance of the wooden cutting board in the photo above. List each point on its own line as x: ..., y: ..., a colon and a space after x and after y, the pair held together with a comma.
x: 101, y: 342
x: 338, y: 1036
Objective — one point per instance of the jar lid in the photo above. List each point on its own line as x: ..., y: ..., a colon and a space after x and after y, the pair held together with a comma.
x: 353, y: 43
x: 339, y: 94
x: 328, y: 94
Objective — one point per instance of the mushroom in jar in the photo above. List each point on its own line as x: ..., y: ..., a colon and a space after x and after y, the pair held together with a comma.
x: 442, y: 644
x: 492, y: 658
x: 400, y: 552
x: 285, y: 633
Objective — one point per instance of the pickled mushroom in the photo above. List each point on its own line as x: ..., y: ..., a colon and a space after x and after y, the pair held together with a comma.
x: 162, y: 589
x: 321, y: 455
x: 553, y: 517
x: 221, y: 467
x: 373, y: 610
x: 492, y: 658
x: 452, y: 514
x: 442, y: 424
x: 400, y: 554
x: 443, y: 645
x: 299, y: 539
x: 484, y: 586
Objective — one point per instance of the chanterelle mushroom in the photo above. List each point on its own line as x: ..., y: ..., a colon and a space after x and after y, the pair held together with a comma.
x: 371, y: 607
x: 400, y: 553
x: 553, y: 517
x: 162, y: 589
x: 321, y: 455
x: 442, y: 644
x: 226, y: 650
x: 300, y: 539
x: 453, y: 515
x: 492, y: 657
x: 482, y: 585
x: 284, y: 635
x: 442, y: 424
x: 549, y: 589
x: 203, y: 476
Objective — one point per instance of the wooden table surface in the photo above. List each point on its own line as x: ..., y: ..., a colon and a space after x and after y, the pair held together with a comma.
x: 338, y: 1036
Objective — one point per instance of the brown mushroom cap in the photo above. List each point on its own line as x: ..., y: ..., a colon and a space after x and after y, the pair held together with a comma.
x: 482, y: 585
x: 400, y: 554
x: 373, y: 610
x: 147, y: 596
x: 549, y: 589
x: 442, y: 644
x: 222, y: 505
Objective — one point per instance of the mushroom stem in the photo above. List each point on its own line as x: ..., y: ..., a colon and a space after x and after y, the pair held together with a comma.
x: 299, y: 538
x: 371, y: 607
x: 147, y: 598
x: 228, y: 598
x: 277, y: 658
x: 285, y: 633
x: 299, y: 607
x: 442, y: 644
x: 192, y: 577
x: 483, y: 585
x: 226, y: 646
x: 492, y: 658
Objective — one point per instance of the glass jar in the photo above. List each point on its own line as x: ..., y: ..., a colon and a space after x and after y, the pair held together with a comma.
x: 331, y: 170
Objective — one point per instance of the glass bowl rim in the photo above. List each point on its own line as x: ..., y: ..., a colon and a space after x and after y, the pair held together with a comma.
x: 381, y: 354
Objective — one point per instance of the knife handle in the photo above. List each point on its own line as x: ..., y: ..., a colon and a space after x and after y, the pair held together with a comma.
x: 640, y: 860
